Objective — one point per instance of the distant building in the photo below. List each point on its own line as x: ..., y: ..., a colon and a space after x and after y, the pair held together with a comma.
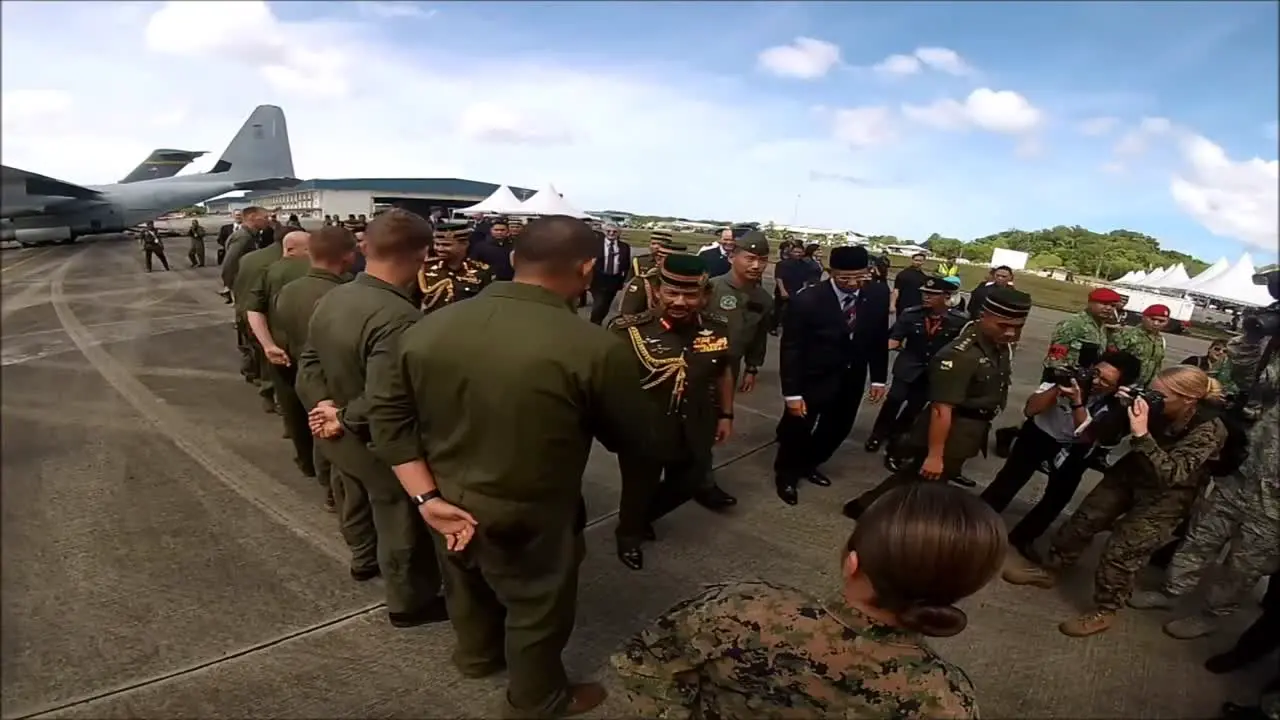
x: 365, y: 196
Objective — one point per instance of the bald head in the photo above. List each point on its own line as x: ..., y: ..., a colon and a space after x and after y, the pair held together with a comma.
x: 295, y: 244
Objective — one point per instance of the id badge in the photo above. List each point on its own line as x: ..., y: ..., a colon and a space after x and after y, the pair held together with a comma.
x: 1061, y: 457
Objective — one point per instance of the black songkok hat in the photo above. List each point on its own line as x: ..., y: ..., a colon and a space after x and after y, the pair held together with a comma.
x: 685, y: 271
x: 849, y: 257
x: 1007, y: 302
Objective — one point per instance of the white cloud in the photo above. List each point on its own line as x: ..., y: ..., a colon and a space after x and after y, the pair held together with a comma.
x: 936, y: 58
x: 21, y: 107
x: 1136, y: 141
x: 863, y: 127
x: 1098, y: 126
x: 1233, y: 199
x: 395, y: 10
x: 804, y: 59
x: 489, y: 122
x: 999, y: 111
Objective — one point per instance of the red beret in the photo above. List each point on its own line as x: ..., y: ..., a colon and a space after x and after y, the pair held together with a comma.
x: 1157, y: 311
x: 1105, y: 295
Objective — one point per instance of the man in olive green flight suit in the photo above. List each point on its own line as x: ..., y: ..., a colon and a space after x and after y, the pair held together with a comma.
x: 641, y: 292
x: 502, y: 395
x: 280, y: 366
x: 738, y: 300
x: 242, y: 241
x: 352, y: 343
x: 331, y: 253
x: 968, y: 387
x: 250, y: 268
x: 684, y: 360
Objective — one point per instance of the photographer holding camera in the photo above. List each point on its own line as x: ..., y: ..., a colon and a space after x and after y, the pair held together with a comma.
x: 1057, y: 432
x: 1174, y: 433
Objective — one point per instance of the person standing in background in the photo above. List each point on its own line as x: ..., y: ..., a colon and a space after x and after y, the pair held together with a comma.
x: 610, y: 273
x: 907, y: 284
x: 998, y: 277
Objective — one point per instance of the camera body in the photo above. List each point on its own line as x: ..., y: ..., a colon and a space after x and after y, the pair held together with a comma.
x: 1082, y: 375
x: 1154, y: 398
x: 1263, y: 323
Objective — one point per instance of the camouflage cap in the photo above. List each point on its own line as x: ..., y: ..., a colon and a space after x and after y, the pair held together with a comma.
x: 457, y: 232
x: 755, y: 243
x: 683, y: 270
x: 1006, y: 302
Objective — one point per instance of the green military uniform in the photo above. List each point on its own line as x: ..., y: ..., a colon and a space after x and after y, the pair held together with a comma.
x: 503, y: 394
x: 746, y: 309
x: 1147, y: 347
x: 352, y: 341
x: 971, y: 374
x: 261, y: 299
x: 680, y: 366
x: 247, y: 290
x: 442, y: 285
x: 196, y: 254
x: 1072, y: 333
x: 641, y: 291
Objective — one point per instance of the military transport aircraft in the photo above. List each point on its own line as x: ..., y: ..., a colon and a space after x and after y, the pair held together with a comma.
x: 161, y: 163
x: 36, y: 209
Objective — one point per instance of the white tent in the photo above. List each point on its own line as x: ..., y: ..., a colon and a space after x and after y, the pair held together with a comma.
x: 1156, y: 276
x: 548, y: 201
x: 1206, y: 275
x: 1235, y: 285
x: 1173, y: 278
x: 500, y: 202
x: 1126, y: 278
x: 1138, y: 277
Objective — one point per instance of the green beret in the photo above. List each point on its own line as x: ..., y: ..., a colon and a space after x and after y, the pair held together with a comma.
x: 1007, y: 302
x: 681, y: 270
x: 755, y: 243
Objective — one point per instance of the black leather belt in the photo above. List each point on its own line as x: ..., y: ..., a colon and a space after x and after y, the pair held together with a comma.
x: 974, y: 414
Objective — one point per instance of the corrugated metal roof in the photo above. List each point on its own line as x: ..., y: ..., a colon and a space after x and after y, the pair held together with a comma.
x: 435, y: 187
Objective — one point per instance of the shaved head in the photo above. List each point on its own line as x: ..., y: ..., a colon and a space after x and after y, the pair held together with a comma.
x: 296, y: 243
x: 557, y: 242
x: 397, y: 234
x: 332, y: 244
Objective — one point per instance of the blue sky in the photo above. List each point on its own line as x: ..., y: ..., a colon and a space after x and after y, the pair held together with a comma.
x: 1157, y: 117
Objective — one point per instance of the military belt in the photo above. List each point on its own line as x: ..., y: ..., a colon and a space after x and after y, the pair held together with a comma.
x: 975, y: 414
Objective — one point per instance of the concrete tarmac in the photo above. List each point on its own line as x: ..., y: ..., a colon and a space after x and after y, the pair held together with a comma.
x: 163, y: 558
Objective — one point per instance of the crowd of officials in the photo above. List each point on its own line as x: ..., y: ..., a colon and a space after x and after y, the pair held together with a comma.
x: 437, y: 381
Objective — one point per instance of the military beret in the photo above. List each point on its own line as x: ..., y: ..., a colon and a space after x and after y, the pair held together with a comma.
x: 1157, y: 310
x: 849, y: 257
x: 1006, y: 302
x: 682, y: 270
x: 1105, y: 295
x: 937, y: 285
x: 754, y: 242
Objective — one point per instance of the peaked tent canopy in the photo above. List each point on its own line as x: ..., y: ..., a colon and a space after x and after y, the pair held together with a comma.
x: 548, y: 201
x: 1125, y: 277
x: 1174, y: 277
x: 1156, y: 276
x: 1206, y: 275
x: 1236, y: 286
x: 500, y: 202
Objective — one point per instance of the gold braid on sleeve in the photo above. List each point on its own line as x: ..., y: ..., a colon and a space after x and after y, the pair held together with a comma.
x: 433, y: 294
x: 660, y: 371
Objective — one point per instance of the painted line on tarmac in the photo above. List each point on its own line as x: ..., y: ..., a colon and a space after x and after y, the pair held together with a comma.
x: 161, y: 372
x: 24, y: 260
x: 112, y: 323
x: 242, y: 477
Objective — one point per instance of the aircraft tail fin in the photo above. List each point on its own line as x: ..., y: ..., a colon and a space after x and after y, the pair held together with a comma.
x: 161, y: 163
x: 260, y: 151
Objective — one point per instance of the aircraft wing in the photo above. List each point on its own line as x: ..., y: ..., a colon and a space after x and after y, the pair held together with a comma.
x: 30, y: 183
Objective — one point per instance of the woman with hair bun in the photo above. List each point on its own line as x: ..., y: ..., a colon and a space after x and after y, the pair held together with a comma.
x: 759, y: 650
x: 1143, y: 497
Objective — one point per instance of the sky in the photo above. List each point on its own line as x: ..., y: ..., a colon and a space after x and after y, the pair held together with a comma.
x: 900, y: 118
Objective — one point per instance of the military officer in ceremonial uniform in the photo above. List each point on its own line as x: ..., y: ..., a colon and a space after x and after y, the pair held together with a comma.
x: 1095, y: 325
x: 738, y: 300
x: 451, y: 276
x: 641, y: 292
x: 968, y: 387
x: 918, y: 334
x: 686, y: 371
x: 657, y: 238
x: 1146, y: 341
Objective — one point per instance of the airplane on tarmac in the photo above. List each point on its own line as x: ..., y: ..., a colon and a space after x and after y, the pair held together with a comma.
x: 162, y: 163
x: 35, y: 209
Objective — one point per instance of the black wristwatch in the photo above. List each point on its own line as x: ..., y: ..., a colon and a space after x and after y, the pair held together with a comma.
x: 423, y: 499
x: 726, y: 416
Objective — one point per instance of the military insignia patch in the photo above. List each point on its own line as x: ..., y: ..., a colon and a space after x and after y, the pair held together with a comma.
x: 708, y: 344
x: 729, y: 302
x: 1057, y: 352
x: 945, y: 364
x: 704, y: 333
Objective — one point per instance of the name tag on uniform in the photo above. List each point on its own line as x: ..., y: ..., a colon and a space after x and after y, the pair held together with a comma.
x: 709, y: 345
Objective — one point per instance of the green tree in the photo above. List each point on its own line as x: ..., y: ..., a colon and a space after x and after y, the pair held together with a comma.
x: 1044, y: 260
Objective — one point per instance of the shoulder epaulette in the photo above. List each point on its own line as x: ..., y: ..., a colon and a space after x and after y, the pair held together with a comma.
x: 479, y: 263
x: 625, y: 321
x: 650, y: 272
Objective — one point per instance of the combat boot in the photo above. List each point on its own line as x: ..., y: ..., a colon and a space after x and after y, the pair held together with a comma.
x: 1191, y: 627
x: 1088, y: 624
x: 1020, y: 572
x: 1151, y: 600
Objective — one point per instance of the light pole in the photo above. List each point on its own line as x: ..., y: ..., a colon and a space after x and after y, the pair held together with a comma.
x: 795, y: 211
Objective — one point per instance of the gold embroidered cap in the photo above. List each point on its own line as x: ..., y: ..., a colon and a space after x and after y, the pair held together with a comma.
x: 457, y: 232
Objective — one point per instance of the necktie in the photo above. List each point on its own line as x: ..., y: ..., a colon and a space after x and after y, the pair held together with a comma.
x: 610, y: 259
x: 850, y: 311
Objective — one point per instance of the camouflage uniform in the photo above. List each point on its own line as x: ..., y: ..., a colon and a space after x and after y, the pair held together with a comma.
x: 1147, y: 347
x: 1141, y: 499
x: 757, y: 650
x: 1073, y: 332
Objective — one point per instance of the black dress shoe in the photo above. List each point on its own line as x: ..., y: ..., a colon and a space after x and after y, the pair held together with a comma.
x: 852, y: 510
x: 873, y: 444
x: 433, y: 612
x: 631, y: 555
x: 963, y: 481
x: 819, y: 479
x: 788, y: 494
x: 713, y: 498
x: 365, y: 574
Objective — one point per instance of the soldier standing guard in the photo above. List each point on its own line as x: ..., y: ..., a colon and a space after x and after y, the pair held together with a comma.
x: 451, y: 276
x: 968, y: 387
x: 918, y: 334
x: 196, y: 254
x: 1095, y: 326
x: 685, y: 363
x: 1146, y: 342
x: 641, y: 292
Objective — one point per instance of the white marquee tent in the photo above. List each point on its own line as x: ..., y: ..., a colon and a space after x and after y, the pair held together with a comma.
x: 548, y: 201
x: 500, y: 202
x: 1173, y: 278
x: 1206, y: 275
x: 1135, y: 278
x: 1153, y: 279
x: 1235, y: 285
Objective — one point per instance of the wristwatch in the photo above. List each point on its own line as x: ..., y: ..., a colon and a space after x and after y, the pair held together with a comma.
x: 424, y: 498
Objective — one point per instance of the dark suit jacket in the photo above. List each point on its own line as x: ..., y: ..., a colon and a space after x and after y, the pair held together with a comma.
x: 817, y: 352
x: 717, y: 263
x: 224, y: 232
x: 600, y: 281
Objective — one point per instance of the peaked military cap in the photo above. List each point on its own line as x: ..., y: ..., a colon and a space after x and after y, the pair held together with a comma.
x: 673, y: 246
x: 682, y: 270
x: 754, y: 242
x: 937, y: 285
x: 850, y: 257
x: 659, y: 235
x: 1007, y: 302
x: 459, y: 232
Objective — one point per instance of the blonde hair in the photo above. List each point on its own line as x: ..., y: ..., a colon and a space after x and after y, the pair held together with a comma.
x: 1191, y: 382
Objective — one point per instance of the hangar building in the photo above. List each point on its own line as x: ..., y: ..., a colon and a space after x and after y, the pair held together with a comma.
x: 365, y: 196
